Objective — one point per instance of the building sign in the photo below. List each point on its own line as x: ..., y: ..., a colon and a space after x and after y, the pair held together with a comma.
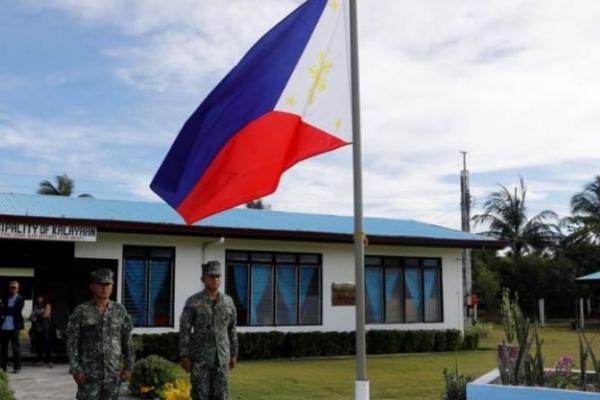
x: 343, y: 294
x: 65, y: 233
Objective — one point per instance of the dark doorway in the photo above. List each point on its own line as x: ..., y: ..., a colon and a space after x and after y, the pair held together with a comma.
x: 82, y: 267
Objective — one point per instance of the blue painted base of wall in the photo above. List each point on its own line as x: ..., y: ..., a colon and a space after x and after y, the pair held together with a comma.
x: 481, y: 389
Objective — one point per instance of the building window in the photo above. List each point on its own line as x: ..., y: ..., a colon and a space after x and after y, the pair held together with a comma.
x: 275, y: 288
x: 148, y: 285
x: 403, y: 290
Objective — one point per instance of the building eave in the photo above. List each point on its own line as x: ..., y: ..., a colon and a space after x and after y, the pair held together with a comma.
x: 264, y: 234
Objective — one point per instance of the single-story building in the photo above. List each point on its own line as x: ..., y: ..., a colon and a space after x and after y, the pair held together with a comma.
x: 279, y: 267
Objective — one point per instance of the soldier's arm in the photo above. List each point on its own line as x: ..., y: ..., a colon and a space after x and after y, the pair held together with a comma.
x: 231, y: 330
x: 185, y: 330
x: 127, y: 343
x: 73, y: 352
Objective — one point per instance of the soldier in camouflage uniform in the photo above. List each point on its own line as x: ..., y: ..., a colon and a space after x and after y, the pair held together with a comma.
x: 99, y: 342
x: 207, y: 339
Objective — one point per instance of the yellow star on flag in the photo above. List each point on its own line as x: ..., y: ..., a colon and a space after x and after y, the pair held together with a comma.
x: 338, y: 124
x: 290, y: 101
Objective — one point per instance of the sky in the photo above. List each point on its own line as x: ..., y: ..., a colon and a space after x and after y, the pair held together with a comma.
x: 99, y: 89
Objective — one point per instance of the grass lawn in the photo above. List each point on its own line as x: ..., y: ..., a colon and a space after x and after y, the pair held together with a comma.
x: 407, y: 376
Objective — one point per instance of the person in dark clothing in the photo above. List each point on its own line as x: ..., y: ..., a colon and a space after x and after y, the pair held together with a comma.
x: 11, y: 323
x: 41, y: 328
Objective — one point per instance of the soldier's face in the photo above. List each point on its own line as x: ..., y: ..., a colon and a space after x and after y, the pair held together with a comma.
x: 102, y: 290
x: 212, y: 282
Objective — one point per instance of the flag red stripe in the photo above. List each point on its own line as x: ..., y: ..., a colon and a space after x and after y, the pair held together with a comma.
x: 250, y: 165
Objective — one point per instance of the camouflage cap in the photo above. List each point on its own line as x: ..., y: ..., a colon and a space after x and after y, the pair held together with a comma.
x: 211, y: 268
x: 102, y: 275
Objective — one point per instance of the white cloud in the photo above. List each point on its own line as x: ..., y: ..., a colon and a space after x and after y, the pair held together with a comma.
x: 514, y: 83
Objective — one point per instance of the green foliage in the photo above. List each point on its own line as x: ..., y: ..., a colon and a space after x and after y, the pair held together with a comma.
x: 507, y: 311
x: 471, y: 341
x: 505, y: 215
x: 268, y: 345
x: 5, y: 392
x: 482, y: 329
x: 521, y: 363
x: 165, y: 345
x: 149, y: 376
x: 585, y: 348
x: 486, y: 283
x: 455, y: 385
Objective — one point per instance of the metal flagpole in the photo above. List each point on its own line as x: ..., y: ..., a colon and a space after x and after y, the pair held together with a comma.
x: 361, y: 386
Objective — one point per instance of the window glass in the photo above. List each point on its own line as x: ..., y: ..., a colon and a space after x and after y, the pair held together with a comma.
x: 393, y: 295
x: 262, y: 257
x: 309, y: 259
x: 411, y: 262
x: 372, y: 260
x: 261, y: 298
x: 286, y: 306
x: 286, y: 258
x: 237, y: 288
x: 134, y: 289
x: 432, y: 295
x: 284, y: 289
x: 431, y: 262
x: 148, y: 285
x: 310, y: 299
x: 373, y: 297
x: 413, y: 301
x: 159, y: 307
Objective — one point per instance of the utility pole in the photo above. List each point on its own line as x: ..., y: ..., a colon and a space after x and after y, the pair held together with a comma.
x: 465, y: 207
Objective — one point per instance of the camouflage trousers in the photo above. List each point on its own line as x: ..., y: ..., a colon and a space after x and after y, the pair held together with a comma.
x: 209, y: 383
x: 107, y: 389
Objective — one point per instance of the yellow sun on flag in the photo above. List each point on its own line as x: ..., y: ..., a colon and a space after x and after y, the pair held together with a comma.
x: 335, y: 5
x: 318, y: 72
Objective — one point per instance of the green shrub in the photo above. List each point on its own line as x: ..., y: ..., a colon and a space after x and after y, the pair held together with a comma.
x: 455, y: 385
x: 471, y: 341
x: 483, y: 329
x: 5, y: 392
x: 150, y: 374
x: 268, y: 345
x: 165, y: 345
x: 453, y: 339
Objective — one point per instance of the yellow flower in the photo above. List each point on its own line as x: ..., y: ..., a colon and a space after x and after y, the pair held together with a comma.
x: 146, y: 389
x: 180, y: 390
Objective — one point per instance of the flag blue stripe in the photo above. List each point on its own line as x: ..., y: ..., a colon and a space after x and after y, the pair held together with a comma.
x: 248, y: 92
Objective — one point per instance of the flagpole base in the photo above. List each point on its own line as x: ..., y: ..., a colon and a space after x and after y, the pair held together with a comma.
x: 361, y: 390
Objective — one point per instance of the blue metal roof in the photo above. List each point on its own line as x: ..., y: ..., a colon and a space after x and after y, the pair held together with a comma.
x: 43, y: 206
x: 591, y: 277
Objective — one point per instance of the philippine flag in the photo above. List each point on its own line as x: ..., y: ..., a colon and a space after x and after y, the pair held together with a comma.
x: 288, y: 99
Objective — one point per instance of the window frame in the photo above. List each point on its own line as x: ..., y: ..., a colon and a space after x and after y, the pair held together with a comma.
x: 297, y: 264
x: 147, y: 251
x: 403, y: 266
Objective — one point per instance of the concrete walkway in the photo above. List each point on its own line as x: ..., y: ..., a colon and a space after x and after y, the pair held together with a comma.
x: 43, y: 383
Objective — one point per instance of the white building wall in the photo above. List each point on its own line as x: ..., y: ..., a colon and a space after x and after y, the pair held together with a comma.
x: 338, y: 267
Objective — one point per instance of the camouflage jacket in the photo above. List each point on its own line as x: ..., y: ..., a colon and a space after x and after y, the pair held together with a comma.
x: 99, y: 345
x: 207, y: 330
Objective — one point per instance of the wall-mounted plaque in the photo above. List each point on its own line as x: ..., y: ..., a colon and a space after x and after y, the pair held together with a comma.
x: 343, y: 294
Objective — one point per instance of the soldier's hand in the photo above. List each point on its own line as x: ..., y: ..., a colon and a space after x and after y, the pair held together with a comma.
x: 232, y: 363
x: 186, y: 364
x: 79, y: 378
x: 125, y: 375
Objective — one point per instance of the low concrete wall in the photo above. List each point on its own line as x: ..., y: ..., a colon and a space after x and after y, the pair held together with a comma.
x: 482, y: 389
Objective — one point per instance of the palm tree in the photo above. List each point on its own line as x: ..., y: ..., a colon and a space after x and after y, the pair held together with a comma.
x: 505, y: 213
x: 585, y: 207
x: 64, y: 187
